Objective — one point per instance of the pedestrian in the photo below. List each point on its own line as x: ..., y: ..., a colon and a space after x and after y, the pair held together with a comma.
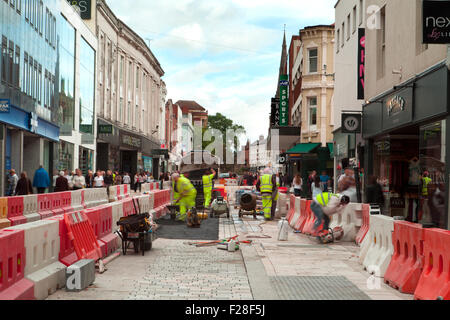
x: 79, y: 182
x: 136, y: 182
x: 324, y: 206
x: 89, y: 179
x: 61, y: 183
x: 98, y: 180
x: 324, y: 179
x: 348, y: 187
x: 142, y: 179
x: 310, y: 180
x: 41, y: 180
x: 118, y: 179
x: 108, y: 180
x: 69, y: 176
x: 12, y: 182
x: 24, y: 186
x: 55, y: 176
x: 374, y: 192
x: 316, y: 187
x: 348, y: 174
x: 126, y: 178
x: 297, y: 184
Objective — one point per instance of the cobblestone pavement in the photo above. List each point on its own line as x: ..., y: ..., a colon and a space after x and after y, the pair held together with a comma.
x: 174, y: 270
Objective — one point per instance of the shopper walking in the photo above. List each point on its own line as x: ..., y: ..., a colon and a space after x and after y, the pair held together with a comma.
x: 41, y: 180
x: 61, y: 183
x: 297, y: 184
x: 79, y: 182
x: 126, y: 178
x: 12, y: 182
x: 98, y: 180
x: 89, y: 179
x: 118, y: 179
x: 24, y: 186
x: 316, y: 187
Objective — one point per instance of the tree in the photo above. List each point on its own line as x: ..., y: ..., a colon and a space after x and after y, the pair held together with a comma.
x: 223, y: 124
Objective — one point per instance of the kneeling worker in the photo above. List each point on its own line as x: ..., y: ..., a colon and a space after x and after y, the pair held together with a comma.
x: 324, y: 206
x: 207, y: 186
x: 187, y: 194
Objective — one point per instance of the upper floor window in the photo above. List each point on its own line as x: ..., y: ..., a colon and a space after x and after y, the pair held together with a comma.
x: 313, y: 60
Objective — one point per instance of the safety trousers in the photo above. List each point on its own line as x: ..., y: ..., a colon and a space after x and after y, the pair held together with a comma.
x: 207, y: 194
x: 267, y: 205
x: 186, y: 203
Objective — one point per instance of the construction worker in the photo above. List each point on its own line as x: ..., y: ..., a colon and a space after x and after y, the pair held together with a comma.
x: 267, y: 185
x: 176, y: 194
x: 187, y: 194
x: 324, y: 206
x: 276, y: 195
x: 207, y: 186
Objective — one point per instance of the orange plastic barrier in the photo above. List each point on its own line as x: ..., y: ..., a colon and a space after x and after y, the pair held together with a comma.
x: 13, y: 285
x: 93, y: 214
x: 4, y: 222
x: 309, y: 224
x: 67, y: 254
x: 106, y: 235
x: 406, y: 264
x: 82, y: 235
x: 66, y: 201
x: 365, y: 224
x: 434, y: 283
x: 300, y: 225
x: 15, y: 211
x: 291, y: 208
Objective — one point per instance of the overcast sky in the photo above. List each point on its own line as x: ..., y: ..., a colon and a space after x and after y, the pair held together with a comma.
x: 224, y: 54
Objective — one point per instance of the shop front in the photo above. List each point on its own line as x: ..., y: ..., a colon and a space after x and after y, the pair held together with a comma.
x: 406, y: 133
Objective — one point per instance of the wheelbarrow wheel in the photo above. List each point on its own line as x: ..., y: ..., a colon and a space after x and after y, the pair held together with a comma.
x: 240, y: 213
x: 124, y: 248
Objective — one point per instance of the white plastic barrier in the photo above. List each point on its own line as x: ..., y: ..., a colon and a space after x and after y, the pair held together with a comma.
x: 144, y: 203
x: 42, y: 250
x: 77, y: 203
x: 349, y: 220
x: 100, y: 197
x: 380, y: 249
x: 296, y: 216
x: 30, y: 208
x: 145, y: 188
x: 282, y: 205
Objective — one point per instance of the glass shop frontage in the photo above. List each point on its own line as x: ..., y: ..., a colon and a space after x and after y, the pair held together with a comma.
x: 406, y: 133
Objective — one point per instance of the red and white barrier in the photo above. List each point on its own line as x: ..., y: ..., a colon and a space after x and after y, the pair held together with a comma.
x: 349, y: 220
x: 42, y: 245
x: 296, y: 214
x: 30, y: 208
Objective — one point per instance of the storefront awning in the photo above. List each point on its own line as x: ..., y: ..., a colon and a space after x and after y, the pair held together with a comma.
x: 331, y: 148
x: 304, y: 148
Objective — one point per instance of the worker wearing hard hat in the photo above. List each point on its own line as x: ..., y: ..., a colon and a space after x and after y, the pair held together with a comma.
x: 207, y: 186
x: 187, y: 195
x: 267, y: 185
x: 324, y: 206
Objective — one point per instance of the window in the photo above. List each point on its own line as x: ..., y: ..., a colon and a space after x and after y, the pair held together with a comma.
x: 4, y: 58
x: 312, y: 60
x: 129, y: 114
x: 312, y: 103
x: 24, y: 75
x: 121, y: 72
x: 343, y: 34
x: 19, y: 6
x: 17, y: 67
x: 354, y: 19
x: 130, y: 80
x: 36, y: 80
x: 120, y: 115
x: 381, y: 37
x: 39, y: 98
x: 361, y: 11
x: 11, y: 62
x: 136, y: 117
x: 41, y: 17
x: 348, y: 27
x: 338, y: 40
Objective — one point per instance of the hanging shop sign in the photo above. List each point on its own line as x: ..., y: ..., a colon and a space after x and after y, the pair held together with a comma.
x: 105, y: 129
x: 398, y: 109
x: 275, y: 112
x: 5, y: 106
x: 284, y: 101
x: 361, y: 61
x: 436, y: 23
x: 131, y: 141
x: 85, y: 8
x: 351, y: 122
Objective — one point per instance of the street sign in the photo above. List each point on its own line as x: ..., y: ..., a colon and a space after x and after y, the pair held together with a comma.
x: 5, y: 106
x: 284, y: 101
x: 351, y: 122
x: 436, y: 22
x: 85, y: 8
x: 105, y: 129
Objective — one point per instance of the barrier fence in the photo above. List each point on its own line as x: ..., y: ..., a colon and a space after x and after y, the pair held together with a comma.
x: 34, y: 255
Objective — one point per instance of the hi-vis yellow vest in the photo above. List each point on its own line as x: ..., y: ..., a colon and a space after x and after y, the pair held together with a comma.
x: 266, y: 184
x: 207, y: 181
x: 324, y: 198
x: 425, y: 182
x: 184, y: 185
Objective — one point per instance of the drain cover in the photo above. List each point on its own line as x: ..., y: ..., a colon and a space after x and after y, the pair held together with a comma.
x: 317, y: 288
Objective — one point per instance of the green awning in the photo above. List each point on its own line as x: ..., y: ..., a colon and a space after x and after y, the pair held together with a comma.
x: 304, y: 148
x: 331, y: 148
